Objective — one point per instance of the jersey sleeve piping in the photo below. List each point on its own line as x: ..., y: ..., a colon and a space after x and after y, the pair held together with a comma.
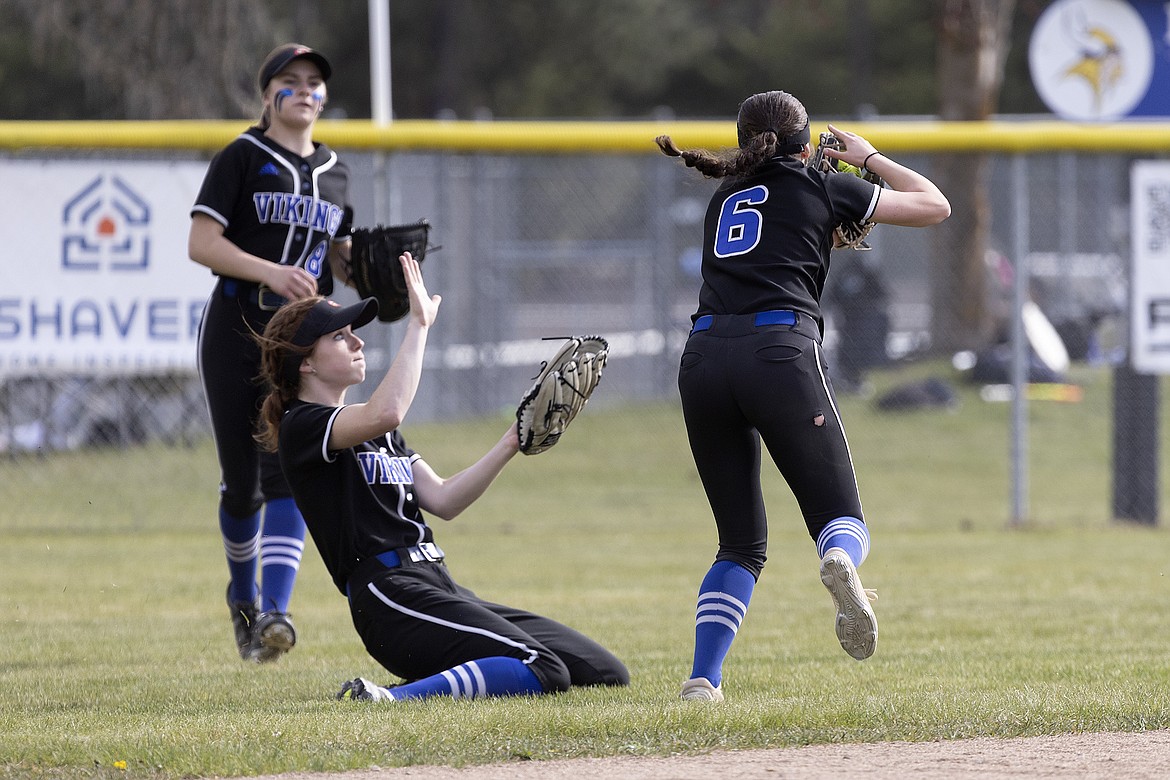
x: 326, y: 455
x: 201, y: 209
x: 877, y: 192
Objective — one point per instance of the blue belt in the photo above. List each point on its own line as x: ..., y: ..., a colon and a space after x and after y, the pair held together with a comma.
x: 774, y: 317
x: 260, y: 295
x: 369, y: 568
x: 427, y: 551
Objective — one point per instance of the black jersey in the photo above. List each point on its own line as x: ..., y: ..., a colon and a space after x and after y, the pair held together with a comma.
x: 278, y: 205
x: 767, y: 237
x: 357, y: 502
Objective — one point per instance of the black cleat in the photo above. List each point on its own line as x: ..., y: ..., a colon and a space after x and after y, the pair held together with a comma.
x: 272, y: 636
x: 243, y: 620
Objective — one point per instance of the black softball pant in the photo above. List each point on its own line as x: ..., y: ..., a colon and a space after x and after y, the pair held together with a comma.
x: 741, y: 383
x: 416, y: 621
x: 229, y: 368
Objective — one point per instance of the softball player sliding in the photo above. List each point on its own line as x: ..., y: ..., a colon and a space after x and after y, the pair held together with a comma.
x: 269, y: 222
x: 363, y: 492
x: 753, y: 367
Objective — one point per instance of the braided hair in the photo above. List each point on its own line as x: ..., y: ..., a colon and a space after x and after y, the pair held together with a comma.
x: 769, y: 124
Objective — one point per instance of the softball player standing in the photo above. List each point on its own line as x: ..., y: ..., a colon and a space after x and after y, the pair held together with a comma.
x: 269, y: 221
x: 753, y: 367
x: 363, y: 492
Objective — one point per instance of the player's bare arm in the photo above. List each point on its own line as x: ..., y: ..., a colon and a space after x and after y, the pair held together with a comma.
x: 391, y: 399
x: 207, y: 245
x: 911, y: 200
x: 447, y: 498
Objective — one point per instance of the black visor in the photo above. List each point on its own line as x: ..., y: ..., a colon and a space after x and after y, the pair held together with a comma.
x: 326, y: 317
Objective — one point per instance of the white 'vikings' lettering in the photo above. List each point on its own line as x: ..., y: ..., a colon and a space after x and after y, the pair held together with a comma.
x: 288, y: 208
x: 382, y: 469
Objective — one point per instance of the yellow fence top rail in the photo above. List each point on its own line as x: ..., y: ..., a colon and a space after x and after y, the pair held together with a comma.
x: 633, y: 137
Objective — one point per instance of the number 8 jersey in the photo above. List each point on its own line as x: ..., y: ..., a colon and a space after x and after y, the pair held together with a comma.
x: 278, y: 205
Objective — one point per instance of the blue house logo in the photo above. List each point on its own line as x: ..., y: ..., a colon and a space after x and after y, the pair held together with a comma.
x: 105, y: 226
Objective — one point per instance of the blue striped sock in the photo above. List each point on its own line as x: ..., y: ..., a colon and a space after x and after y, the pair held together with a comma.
x: 494, y: 676
x: 848, y: 533
x: 282, y: 543
x: 241, y: 544
x: 723, y: 602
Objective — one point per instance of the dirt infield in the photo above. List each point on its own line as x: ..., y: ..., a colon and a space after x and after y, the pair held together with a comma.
x: 1132, y: 756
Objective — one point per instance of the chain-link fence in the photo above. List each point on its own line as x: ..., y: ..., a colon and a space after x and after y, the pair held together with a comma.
x: 532, y: 246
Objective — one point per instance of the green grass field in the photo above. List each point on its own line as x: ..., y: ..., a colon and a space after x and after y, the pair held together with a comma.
x: 116, y: 658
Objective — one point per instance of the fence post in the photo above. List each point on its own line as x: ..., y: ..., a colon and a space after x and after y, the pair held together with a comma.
x: 1135, y: 388
x: 1135, y: 446
x: 1019, y: 367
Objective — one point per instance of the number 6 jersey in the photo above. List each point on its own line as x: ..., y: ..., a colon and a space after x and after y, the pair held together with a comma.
x: 769, y: 236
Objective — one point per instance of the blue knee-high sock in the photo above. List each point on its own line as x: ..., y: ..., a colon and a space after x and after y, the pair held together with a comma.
x: 282, y: 543
x: 848, y: 533
x: 241, y: 544
x: 494, y: 676
x: 723, y: 601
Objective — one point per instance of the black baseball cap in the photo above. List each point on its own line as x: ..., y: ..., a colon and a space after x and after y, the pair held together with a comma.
x: 327, y: 316
x: 279, y: 58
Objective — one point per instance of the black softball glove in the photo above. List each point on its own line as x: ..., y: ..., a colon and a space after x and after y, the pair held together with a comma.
x: 374, y: 267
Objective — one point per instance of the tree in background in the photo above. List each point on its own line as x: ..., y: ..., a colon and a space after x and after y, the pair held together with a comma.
x: 616, y: 59
x: 140, y: 59
x: 605, y: 59
x: 973, y: 40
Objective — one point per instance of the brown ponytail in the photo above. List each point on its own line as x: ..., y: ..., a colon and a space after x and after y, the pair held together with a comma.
x: 277, y: 353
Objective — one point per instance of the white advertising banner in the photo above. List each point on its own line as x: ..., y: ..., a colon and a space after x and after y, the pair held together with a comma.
x: 97, y: 277
x: 1150, y: 300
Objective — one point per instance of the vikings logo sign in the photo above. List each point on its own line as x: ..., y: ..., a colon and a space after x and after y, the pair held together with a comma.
x: 1092, y: 59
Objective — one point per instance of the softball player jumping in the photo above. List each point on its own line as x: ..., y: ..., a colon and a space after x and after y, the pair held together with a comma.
x: 270, y: 222
x: 363, y: 492
x: 753, y: 368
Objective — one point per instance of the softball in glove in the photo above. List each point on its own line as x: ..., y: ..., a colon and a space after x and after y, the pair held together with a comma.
x: 849, y: 235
